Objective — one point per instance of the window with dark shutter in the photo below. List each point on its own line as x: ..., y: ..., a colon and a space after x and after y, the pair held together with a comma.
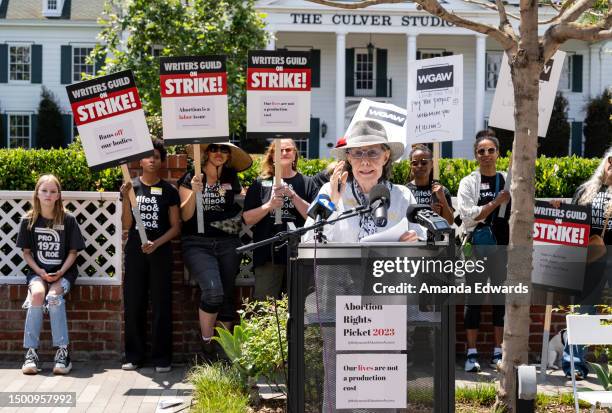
x: 66, y: 63
x: 381, y: 73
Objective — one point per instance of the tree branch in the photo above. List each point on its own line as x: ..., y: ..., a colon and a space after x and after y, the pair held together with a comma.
x: 493, y: 7
x: 504, y: 23
x: 576, y: 10
x: 357, y: 5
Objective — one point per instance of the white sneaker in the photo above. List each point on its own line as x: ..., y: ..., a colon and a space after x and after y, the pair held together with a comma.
x: 471, y: 363
x: 31, y: 364
x: 163, y: 369
x: 129, y: 366
x: 62, y: 361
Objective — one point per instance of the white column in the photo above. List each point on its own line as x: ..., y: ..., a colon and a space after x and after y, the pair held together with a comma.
x: 481, y: 50
x: 594, y: 70
x: 340, y: 79
x: 271, y: 41
x: 411, y: 49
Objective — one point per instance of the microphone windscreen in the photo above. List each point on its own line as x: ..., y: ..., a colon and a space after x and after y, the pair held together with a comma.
x: 380, y: 191
x: 414, y: 209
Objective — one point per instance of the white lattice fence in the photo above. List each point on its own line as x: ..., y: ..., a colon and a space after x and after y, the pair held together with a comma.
x: 99, y: 217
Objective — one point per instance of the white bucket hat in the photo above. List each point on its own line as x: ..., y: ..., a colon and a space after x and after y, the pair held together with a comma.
x: 365, y: 133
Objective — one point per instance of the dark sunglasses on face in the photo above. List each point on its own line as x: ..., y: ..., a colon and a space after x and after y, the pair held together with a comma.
x: 218, y: 148
x: 609, y: 159
x: 423, y: 162
x: 490, y: 151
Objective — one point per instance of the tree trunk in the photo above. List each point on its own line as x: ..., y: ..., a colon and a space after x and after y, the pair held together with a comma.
x: 525, y: 69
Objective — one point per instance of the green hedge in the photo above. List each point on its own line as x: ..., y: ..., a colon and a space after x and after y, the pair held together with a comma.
x: 19, y: 170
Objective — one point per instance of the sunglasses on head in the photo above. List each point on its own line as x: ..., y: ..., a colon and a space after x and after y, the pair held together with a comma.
x: 422, y: 162
x: 218, y: 148
x: 490, y: 151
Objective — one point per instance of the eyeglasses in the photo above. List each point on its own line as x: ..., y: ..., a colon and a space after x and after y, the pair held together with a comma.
x: 357, y: 153
x: 490, y: 151
x: 218, y: 148
x: 287, y: 150
x: 422, y: 162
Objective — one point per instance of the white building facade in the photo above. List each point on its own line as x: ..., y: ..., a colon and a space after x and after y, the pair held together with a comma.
x: 366, y: 53
x: 42, y: 42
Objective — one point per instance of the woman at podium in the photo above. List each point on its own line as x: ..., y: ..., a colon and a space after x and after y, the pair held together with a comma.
x: 364, y: 162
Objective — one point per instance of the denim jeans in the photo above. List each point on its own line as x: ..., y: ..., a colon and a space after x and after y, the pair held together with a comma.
x: 56, y: 306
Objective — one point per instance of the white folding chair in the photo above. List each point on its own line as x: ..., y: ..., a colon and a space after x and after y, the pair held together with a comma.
x: 589, y: 330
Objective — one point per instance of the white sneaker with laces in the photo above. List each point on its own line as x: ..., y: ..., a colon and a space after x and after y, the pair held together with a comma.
x: 63, y: 365
x: 31, y: 364
x: 471, y: 363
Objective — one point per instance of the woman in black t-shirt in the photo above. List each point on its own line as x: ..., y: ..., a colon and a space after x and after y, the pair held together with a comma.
x: 148, y: 267
x: 211, y: 256
x: 262, y: 199
x: 426, y: 191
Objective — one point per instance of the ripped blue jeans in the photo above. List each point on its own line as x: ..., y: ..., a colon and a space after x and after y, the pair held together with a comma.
x: 56, y: 306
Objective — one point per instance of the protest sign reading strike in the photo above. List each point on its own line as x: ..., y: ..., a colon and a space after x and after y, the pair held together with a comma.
x: 392, y: 117
x: 560, y: 236
x: 435, y: 100
x: 502, y: 109
x: 110, y: 120
x: 278, y: 94
x: 194, y: 99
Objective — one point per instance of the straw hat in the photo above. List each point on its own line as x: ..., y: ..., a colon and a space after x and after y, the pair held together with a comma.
x: 240, y: 159
x: 365, y: 133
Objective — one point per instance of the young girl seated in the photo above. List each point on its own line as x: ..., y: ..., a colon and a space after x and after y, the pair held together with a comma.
x: 50, y: 238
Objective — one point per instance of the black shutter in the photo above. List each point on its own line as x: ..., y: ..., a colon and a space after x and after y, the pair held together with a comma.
x: 349, y: 79
x: 36, y: 63
x: 418, y: 55
x: 3, y: 63
x: 447, y: 150
x: 67, y: 128
x: 313, y: 139
x: 66, y: 59
x: 315, y: 68
x: 33, y: 131
x: 445, y: 53
x: 3, y: 130
x: 576, y: 139
x: 381, y: 73
x: 577, y: 73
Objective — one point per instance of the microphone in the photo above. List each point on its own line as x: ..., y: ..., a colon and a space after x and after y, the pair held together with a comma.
x: 321, y: 207
x: 380, y: 200
x: 425, y: 216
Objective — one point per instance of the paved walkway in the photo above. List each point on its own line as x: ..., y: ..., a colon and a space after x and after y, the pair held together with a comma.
x: 102, y: 387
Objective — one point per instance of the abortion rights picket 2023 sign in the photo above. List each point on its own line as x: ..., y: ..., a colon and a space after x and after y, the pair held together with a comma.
x: 435, y: 100
x: 109, y: 116
x: 194, y: 99
x: 278, y: 94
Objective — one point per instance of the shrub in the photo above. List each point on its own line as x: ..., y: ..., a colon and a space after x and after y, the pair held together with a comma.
x: 50, y: 133
x: 217, y: 388
x: 556, y: 142
x: 598, y: 125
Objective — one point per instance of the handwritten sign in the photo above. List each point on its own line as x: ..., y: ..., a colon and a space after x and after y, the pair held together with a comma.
x: 109, y: 117
x: 502, y: 109
x: 435, y: 100
x: 194, y: 99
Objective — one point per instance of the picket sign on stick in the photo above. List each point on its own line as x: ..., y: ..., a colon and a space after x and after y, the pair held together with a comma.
x: 278, y: 213
x: 436, y: 161
x: 546, y: 334
x: 134, y: 205
x: 197, y: 162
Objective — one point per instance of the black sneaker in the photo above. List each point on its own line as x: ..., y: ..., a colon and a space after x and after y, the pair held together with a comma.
x: 62, y: 361
x: 31, y: 364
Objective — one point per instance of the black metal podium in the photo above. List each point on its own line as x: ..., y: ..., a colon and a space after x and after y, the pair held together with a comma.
x: 325, y: 275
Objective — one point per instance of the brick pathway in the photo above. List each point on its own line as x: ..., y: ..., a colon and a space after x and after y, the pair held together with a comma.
x: 101, y: 387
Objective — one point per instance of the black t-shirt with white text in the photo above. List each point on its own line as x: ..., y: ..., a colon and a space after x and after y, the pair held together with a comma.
x: 50, y: 244
x: 154, y: 202
x: 422, y: 194
x: 258, y: 194
x: 218, y: 203
x: 598, y: 210
x: 498, y: 224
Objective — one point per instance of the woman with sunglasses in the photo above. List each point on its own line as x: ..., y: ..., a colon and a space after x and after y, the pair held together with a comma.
x: 262, y: 199
x: 211, y: 256
x: 479, y: 198
x: 425, y: 189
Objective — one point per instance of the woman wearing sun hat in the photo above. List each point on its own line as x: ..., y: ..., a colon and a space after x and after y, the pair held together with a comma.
x: 363, y: 162
x: 211, y: 257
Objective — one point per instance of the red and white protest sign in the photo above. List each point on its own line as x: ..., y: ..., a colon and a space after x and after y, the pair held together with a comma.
x: 560, y: 238
x: 278, y: 94
x: 194, y: 99
x: 109, y: 116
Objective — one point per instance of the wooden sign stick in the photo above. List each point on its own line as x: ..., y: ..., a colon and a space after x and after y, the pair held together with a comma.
x: 436, y: 161
x: 197, y: 163
x: 134, y: 206
x: 278, y: 213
